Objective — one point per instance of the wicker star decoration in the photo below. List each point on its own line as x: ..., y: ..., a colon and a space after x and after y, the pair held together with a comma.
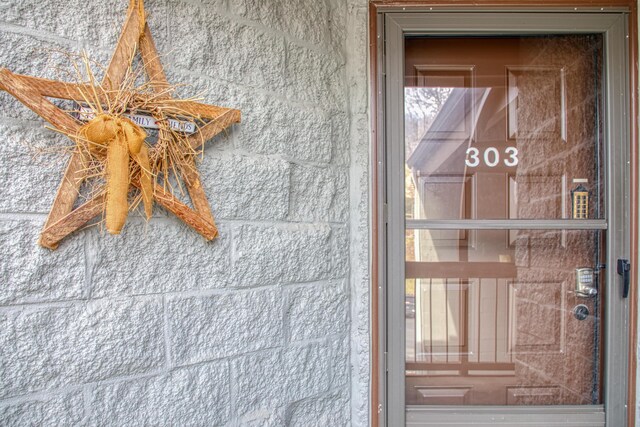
x: 64, y: 217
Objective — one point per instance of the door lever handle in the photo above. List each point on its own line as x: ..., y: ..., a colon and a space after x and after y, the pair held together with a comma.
x: 624, y: 266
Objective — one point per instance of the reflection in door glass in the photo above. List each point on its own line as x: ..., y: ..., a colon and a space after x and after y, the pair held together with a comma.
x: 514, y: 121
x: 503, y: 128
x: 491, y: 317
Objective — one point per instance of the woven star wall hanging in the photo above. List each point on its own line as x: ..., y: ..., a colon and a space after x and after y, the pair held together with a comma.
x: 112, y: 148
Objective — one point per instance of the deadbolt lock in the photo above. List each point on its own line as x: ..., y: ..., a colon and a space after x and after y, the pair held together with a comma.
x: 581, y: 312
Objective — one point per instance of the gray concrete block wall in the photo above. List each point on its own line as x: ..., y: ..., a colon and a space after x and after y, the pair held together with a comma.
x: 266, y: 326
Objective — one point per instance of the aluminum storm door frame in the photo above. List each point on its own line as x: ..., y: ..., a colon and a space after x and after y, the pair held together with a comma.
x: 613, y: 27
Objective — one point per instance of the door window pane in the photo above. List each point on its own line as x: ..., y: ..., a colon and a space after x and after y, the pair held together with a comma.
x: 495, y: 321
x: 504, y: 128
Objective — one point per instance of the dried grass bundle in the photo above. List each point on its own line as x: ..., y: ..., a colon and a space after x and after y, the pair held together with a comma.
x: 117, y: 151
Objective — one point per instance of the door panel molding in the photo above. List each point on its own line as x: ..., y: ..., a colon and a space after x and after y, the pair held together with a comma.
x: 514, y: 224
x: 573, y: 416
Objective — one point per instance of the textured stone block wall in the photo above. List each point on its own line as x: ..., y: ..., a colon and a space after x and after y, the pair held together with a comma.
x: 266, y: 326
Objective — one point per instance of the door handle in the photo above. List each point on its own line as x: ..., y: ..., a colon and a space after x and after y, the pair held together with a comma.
x: 624, y: 266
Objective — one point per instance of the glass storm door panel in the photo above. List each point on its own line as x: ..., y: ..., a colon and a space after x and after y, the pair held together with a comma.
x: 505, y: 212
x: 503, y: 128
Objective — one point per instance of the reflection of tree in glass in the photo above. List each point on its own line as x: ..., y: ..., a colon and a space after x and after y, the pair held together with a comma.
x: 409, y: 208
x: 421, y: 106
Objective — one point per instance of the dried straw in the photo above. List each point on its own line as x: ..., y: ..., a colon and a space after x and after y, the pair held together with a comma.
x: 160, y: 161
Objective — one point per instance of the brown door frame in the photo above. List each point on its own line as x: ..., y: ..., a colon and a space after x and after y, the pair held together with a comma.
x: 377, y: 6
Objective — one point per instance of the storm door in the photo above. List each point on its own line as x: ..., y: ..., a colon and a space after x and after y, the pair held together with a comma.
x: 506, y: 199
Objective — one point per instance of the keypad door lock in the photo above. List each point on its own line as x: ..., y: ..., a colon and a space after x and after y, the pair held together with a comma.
x: 585, y: 282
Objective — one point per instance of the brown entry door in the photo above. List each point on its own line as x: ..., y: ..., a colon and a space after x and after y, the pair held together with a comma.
x: 503, y: 129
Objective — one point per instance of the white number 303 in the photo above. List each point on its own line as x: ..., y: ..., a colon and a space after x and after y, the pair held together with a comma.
x: 491, y: 157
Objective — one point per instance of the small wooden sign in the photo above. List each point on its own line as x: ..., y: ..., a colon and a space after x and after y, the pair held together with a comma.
x: 143, y: 120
